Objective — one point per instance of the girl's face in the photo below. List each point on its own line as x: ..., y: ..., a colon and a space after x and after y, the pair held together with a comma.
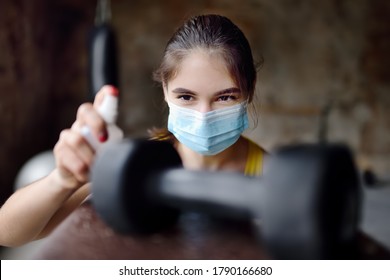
x: 203, y: 83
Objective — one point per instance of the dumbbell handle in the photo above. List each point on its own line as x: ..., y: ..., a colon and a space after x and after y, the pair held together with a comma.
x: 227, y: 193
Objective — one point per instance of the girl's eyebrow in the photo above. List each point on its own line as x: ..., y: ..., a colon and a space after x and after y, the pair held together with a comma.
x: 182, y: 90
x: 229, y: 90
x: 224, y: 91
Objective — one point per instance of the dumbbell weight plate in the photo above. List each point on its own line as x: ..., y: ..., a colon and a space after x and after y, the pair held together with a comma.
x: 312, y: 203
x: 118, y: 175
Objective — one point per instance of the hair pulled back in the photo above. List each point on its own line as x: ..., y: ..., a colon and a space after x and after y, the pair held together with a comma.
x: 214, y: 34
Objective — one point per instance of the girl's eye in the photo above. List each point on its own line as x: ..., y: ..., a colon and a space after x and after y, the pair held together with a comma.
x: 185, y: 97
x: 227, y: 98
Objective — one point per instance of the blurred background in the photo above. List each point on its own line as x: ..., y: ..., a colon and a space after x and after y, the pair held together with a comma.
x: 317, y: 53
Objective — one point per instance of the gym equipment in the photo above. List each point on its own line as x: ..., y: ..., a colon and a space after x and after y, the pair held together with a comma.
x: 102, y: 50
x: 306, y: 206
x: 195, y: 236
x: 35, y: 168
x: 372, y: 180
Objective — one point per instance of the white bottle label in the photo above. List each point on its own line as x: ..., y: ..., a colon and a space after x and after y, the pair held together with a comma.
x: 108, y: 110
x: 86, y: 132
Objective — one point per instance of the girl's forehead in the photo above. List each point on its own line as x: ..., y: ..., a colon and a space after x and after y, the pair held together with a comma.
x: 199, y: 63
x: 202, y: 72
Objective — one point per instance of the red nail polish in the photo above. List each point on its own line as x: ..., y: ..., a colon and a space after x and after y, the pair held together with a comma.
x: 113, y: 90
x: 103, y: 137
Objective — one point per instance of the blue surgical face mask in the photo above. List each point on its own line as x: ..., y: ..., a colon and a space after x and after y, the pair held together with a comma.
x: 208, y: 133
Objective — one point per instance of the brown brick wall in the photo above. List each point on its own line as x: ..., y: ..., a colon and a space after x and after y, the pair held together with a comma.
x: 316, y: 53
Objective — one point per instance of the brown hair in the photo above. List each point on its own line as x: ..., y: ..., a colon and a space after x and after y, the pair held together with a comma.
x: 213, y: 33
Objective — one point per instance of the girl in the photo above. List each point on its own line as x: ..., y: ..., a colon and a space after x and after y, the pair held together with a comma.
x: 208, y: 78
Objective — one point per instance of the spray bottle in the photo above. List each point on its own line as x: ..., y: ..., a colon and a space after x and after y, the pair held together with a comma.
x: 108, y: 110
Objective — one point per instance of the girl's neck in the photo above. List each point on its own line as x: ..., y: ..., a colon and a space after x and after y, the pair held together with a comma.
x: 231, y: 159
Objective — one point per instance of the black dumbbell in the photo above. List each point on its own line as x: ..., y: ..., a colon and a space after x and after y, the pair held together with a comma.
x: 306, y: 206
x: 372, y: 180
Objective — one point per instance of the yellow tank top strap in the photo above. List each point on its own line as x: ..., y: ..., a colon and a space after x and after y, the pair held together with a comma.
x: 254, y: 163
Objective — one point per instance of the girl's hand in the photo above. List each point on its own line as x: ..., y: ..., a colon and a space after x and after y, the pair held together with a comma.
x: 73, y: 154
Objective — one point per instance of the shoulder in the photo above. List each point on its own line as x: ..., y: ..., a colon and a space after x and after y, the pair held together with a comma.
x: 254, y: 147
x: 255, y: 159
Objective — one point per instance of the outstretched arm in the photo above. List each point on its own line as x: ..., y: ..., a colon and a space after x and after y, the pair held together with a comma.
x: 35, y: 210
